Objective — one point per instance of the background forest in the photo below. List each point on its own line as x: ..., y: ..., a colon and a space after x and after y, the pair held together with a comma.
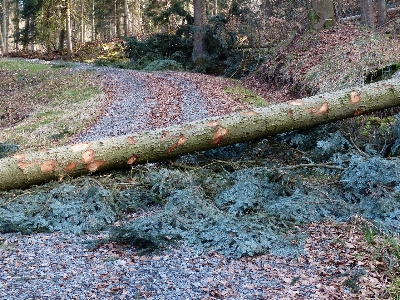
x: 232, y: 37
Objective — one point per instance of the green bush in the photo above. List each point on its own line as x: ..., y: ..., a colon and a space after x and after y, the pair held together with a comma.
x: 163, y: 65
x: 176, y: 47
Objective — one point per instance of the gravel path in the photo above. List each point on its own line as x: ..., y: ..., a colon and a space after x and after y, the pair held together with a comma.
x: 141, y: 101
x: 60, y: 266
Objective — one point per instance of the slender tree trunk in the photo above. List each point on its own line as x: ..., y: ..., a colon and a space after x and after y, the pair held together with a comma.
x: 61, y: 40
x: 83, y: 28
x: 126, y: 18
x: 322, y: 14
x: 1, y: 43
x: 16, y: 22
x: 117, y: 20
x: 93, y: 22
x: 382, y: 13
x: 25, y: 34
x: 199, y: 44
x: 139, y: 18
x: 5, y: 27
x: 68, y: 30
x: 134, y: 17
x: 215, y: 8
x: 110, y: 29
x: 367, y: 13
x: 26, y: 169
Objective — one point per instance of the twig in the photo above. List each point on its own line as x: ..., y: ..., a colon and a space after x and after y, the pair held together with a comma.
x: 97, y: 182
x: 15, y: 198
x: 315, y: 166
x: 358, y: 149
x: 182, y: 166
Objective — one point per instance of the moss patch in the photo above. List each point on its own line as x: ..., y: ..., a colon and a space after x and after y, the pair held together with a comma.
x: 246, y: 95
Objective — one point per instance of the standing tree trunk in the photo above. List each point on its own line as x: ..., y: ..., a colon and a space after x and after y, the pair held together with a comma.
x: 16, y: 20
x: 1, y: 43
x: 367, y: 13
x: 93, y: 22
x: 83, y: 28
x: 4, y: 27
x: 382, y: 12
x: 117, y: 20
x: 25, y: 169
x: 200, y: 52
x: 322, y: 15
x: 135, y: 17
x: 68, y: 28
x: 126, y: 18
x: 25, y: 35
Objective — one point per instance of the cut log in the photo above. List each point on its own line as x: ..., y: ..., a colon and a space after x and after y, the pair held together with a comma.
x: 25, y: 169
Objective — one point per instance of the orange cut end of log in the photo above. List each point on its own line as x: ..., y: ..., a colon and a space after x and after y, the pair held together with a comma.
x: 323, y: 110
x: 165, y: 135
x: 219, y: 135
x: 48, y: 166
x: 354, y: 97
x: 290, y: 113
x: 95, y: 165
x: 297, y: 102
x: 18, y: 157
x: 131, y: 160
x: 130, y: 140
x: 80, y: 147
x: 88, y: 156
x: 181, y: 140
x: 389, y: 86
x: 248, y: 113
x: 212, y: 124
x: 71, y: 166
x: 357, y: 112
x: 23, y: 164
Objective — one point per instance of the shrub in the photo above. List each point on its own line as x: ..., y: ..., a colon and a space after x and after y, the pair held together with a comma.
x: 163, y: 65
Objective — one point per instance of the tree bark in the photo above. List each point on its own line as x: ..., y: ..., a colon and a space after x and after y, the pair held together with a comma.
x: 68, y: 28
x: 16, y: 20
x: 325, y: 14
x: 382, y: 14
x: 83, y: 27
x: 199, y: 45
x: 126, y: 18
x: 93, y: 22
x: 26, y: 169
x: 4, y: 27
x: 367, y: 13
x: 215, y: 8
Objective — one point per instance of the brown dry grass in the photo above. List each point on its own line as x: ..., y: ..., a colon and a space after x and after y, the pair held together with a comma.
x: 43, y: 104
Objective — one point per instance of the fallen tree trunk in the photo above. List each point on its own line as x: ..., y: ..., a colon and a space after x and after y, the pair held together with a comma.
x: 26, y: 169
